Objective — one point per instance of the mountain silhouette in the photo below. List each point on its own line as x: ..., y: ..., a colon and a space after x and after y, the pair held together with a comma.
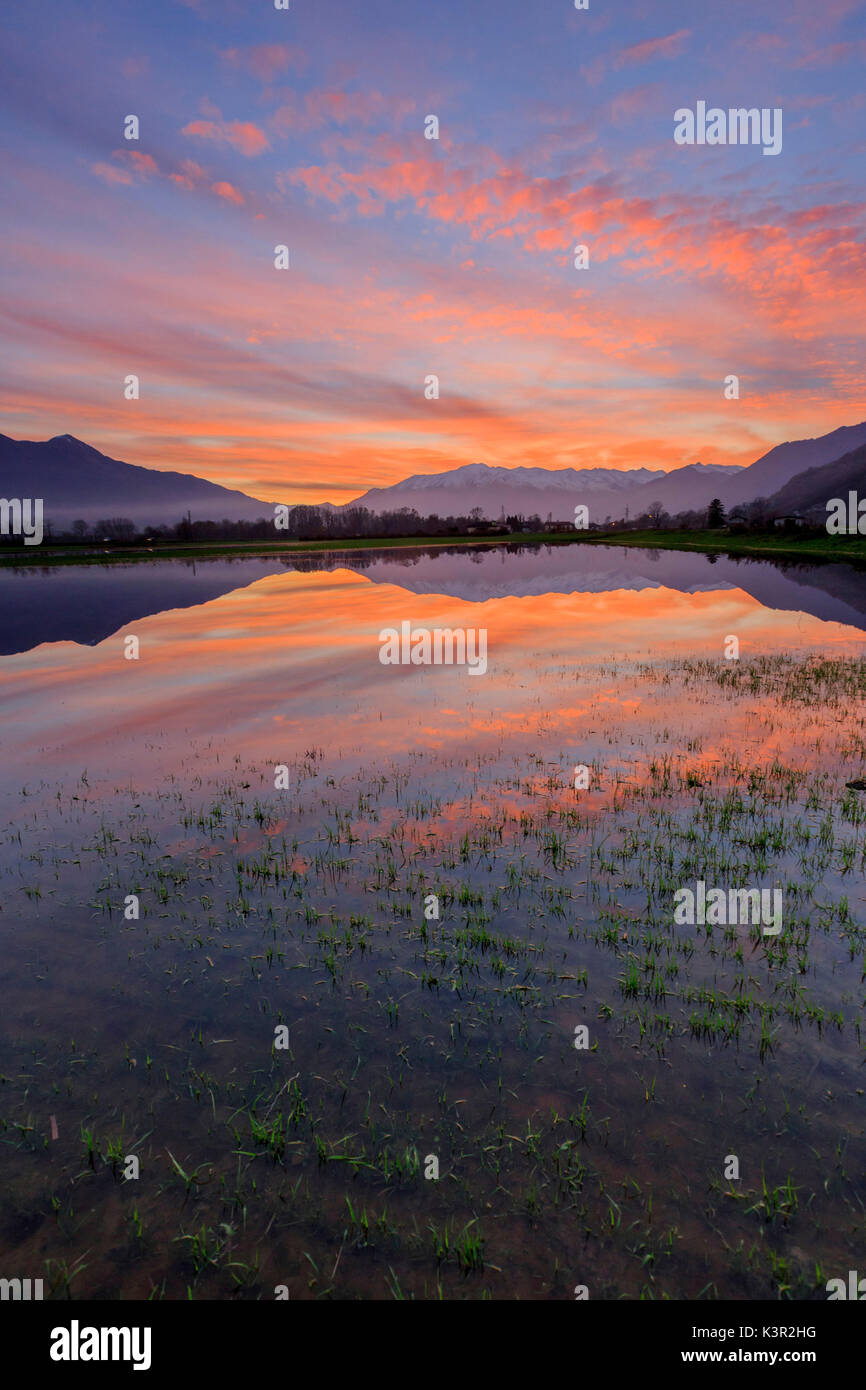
x: 811, y: 490
x: 76, y: 481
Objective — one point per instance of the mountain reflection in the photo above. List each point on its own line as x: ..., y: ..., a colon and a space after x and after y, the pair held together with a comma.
x: 88, y: 604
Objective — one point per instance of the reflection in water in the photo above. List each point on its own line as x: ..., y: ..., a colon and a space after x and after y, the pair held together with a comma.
x: 301, y: 900
x: 87, y: 604
x: 297, y: 650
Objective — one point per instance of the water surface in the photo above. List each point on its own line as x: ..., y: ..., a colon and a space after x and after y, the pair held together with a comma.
x: 410, y: 1035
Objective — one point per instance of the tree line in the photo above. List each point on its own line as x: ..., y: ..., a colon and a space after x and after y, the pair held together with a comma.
x: 305, y: 522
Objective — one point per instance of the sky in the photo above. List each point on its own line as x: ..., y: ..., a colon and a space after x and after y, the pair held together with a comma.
x: 412, y: 257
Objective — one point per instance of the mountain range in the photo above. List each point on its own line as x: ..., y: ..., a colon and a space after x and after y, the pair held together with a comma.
x: 77, y: 481
x: 555, y: 493
x: 607, y: 492
x: 809, y: 491
x: 777, y: 468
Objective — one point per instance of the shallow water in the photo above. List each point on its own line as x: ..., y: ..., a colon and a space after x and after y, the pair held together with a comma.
x: 305, y: 905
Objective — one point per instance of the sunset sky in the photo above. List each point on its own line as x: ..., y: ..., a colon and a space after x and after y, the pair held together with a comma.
x: 412, y: 256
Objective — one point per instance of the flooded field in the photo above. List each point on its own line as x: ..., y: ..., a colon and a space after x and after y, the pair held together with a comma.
x: 299, y: 931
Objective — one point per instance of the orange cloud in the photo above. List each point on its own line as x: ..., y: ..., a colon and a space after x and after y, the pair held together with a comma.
x: 807, y: 268
x: 324, y: 400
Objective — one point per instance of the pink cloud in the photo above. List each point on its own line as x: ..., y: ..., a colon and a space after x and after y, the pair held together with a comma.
x: 267, y: 60
x: 246, y: 137
x: 835, y: 53
x: 130, y: 162
x: 796, y: 274
x: 668, y: 47
x: 322, y: 108
x: 227, y: 191
x: 190, y: 174
x: 632, y: 103
x: 592, y: 73
x: 241, y: 135
x: 110, y: 174
x: 143, y: 163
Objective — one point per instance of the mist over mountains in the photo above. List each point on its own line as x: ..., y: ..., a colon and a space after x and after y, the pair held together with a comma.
x: 76, y: 481
x: 554, y: 493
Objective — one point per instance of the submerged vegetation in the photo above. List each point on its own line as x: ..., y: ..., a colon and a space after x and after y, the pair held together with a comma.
x: 287, y: 1031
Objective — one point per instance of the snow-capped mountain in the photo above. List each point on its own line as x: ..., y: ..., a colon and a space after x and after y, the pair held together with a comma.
x: 551, y: 492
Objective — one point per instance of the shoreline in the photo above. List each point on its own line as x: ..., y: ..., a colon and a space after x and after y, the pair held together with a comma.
x: 845, y: 548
